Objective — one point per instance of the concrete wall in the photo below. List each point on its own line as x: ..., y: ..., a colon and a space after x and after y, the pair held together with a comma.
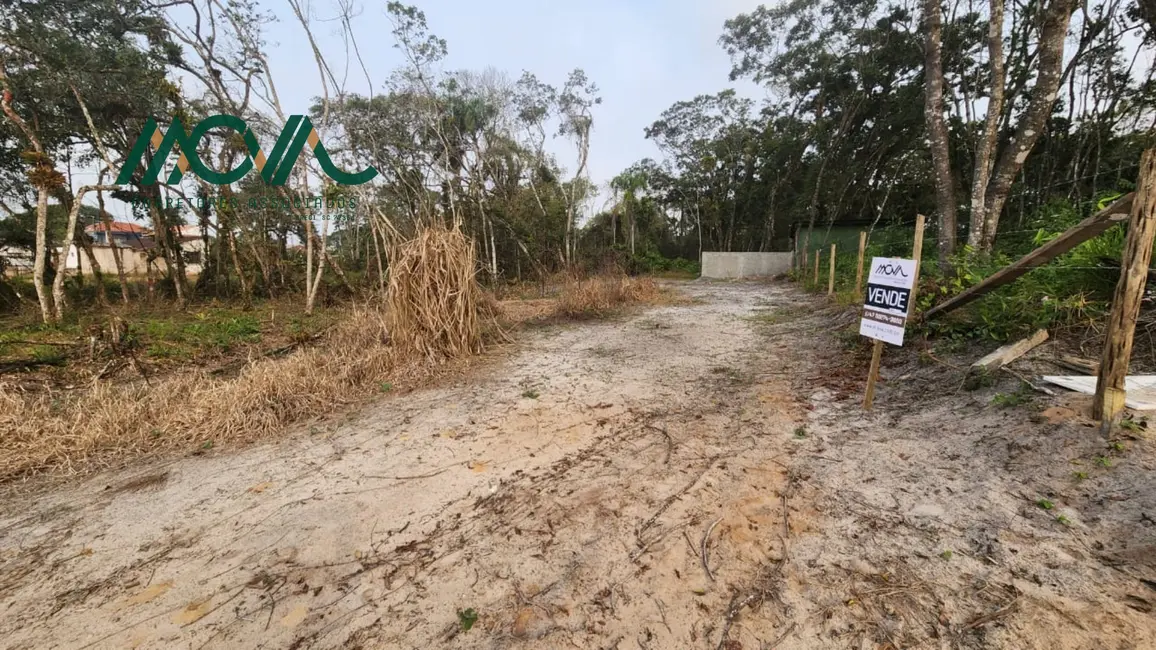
x: 135, y: 261
x: 744, y: 265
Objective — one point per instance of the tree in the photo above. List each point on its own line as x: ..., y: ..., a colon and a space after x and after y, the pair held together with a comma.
x: 937, y: 129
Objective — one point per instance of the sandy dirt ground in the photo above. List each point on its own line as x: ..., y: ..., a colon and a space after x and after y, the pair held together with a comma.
x: 691, y: 476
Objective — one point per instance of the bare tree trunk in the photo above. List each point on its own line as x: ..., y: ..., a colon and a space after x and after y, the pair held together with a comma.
x: 937, y: 129
x: 493, y: 250
x: 62, y: 257
x: 1057, y: 15
x: 44, y: 166
x: 985, y: 153
x: 377, y: 254
x: 308, y: 266
x: 80, y: 240
x: 117, y: 259
x: 246, y: 292
x: 614, y: 221
x: 260, y: 259
x: 164, y: 236
x: 38, y: 264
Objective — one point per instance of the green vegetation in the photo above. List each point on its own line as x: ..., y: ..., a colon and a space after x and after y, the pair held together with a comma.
x: 467, y: 618
x: 1008, y: 400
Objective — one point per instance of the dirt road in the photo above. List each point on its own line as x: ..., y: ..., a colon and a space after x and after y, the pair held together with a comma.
x: 693, y: 476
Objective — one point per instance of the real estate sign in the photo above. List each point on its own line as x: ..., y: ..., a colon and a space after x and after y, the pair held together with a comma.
x: 887, y: 303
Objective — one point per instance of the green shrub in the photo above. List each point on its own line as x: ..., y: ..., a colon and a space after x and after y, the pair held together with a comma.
x: 1073, y: 289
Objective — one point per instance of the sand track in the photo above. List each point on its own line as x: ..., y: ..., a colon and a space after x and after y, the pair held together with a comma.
x: 566, y: 494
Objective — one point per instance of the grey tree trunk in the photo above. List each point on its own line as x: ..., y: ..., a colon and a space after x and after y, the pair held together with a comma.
x: 38, y: 264
x: 985, y: 152
x: 1049, y: 72
x: 937, y: 129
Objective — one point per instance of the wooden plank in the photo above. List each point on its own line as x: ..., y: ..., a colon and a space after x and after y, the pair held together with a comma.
x: 1077, y: 364
x: 1108, y: 404
x: 1072, y: 237
x: 1010, y: 352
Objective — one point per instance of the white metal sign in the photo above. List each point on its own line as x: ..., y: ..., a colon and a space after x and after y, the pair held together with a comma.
x: 887, y: 303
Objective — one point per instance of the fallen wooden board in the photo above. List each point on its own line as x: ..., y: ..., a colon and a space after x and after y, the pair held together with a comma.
x: 1069, y: 239
x: 1140, y: 389
x: 1077, y: 364
x: 1010, y: 352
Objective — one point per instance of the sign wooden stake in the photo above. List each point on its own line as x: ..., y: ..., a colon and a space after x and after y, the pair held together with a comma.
x: 818, y: 254
x: 859, y: 272
x: 831, y: 274
x: 1108, y: 404
x: 877, y: 349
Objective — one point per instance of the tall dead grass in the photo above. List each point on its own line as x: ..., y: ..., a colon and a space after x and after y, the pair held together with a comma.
x: 94, y: 427
x: 432, y: 314
x: 434, y: 300
x: 600, y: 295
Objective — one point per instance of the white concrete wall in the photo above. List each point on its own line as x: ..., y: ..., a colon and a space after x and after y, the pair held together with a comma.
x: 744, y: 265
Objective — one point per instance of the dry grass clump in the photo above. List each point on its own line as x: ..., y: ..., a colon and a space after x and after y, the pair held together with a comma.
x: 593, y: 297
x: 433, y: 296
x: 98, y: 425
x: 433, y: 314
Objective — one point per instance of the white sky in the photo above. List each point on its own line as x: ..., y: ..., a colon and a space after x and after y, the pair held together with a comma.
x: 644, y: 55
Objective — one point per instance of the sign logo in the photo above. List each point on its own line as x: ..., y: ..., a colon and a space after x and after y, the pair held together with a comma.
x: 275, y: 168
x: 887, y: 269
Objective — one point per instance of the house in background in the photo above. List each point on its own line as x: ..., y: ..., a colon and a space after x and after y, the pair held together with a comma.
x: 116, y: 233
x: 137, y: 248
x: 15, y: 261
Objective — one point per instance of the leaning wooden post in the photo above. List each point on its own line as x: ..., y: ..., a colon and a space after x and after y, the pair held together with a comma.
x: 859, y: 272
x: 877, y: 349
x: 831, y: 274
x: 818, y: 254
x: 1108, y: 404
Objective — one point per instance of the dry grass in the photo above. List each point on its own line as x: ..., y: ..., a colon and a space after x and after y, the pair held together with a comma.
x: 432, y: 315
x: 93, y: 427
x: 434, y: 297
x: 435, y: 311
x: 601, y: 295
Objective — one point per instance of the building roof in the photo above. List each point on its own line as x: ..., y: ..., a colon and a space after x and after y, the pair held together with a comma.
x: 136, y: 243
x: 117, y: 226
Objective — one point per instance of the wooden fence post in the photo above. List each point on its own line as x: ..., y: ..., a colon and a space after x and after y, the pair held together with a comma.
x: 818, y: 254
x: 831, y: 274
x: 877, y: 350
x: 859, y: 272
x: 1108, y: 404
x: 917, y: 255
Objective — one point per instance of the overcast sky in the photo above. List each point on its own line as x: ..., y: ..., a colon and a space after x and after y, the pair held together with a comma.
x: 644, y: 55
